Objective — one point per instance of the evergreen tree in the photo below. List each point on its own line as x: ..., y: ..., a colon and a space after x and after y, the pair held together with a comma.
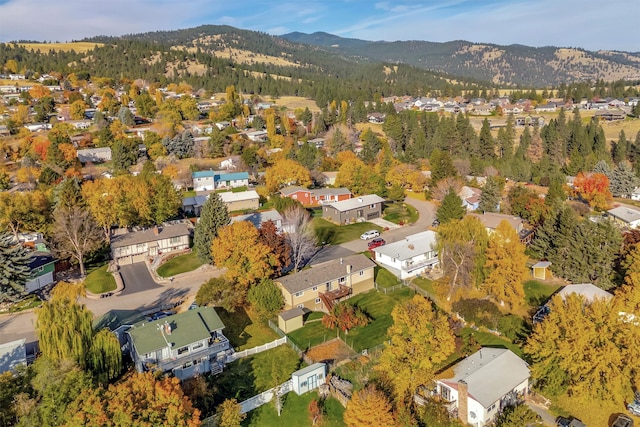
x: 620, y: 148
x: 125, y: 116
x: 451, y: 208
x: 622, y: 180
x: 371, y: 147
x: 491, y: 194
x: 441, y: 166
x: 14, y: 269
x: 486, y: 142
x: 213, y: 217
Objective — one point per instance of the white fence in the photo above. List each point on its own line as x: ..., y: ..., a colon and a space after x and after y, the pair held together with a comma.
x: 256, y: 350
x: 264, y: 397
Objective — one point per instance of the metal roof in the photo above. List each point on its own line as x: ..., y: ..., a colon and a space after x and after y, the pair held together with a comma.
x: 625, y: 213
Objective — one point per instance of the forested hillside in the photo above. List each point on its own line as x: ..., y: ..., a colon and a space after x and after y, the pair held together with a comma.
x: 514, y: 64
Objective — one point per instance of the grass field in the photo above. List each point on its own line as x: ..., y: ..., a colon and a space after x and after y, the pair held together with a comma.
x: 487, y: 339
x: 295, y: 413
x: 400, y: 213
x: 333, y: 234
x: 99, y: 281
x: 179, y: 264
x: 377, y: 305
x: 417, y: 196
x: 384, y: 278
x: 244, y: 330
x: 537, y: 293
x: 79, y: 47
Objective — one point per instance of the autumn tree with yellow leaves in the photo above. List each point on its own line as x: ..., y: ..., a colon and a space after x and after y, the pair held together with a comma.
x: 420, y: 341
x: 369, y: 407
x: 287, y: 172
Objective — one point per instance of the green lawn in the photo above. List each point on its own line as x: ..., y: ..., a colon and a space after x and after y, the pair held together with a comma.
x: 333, y: 234
x: 400, y: 213
x: 190, y: 193
x: 179, y: 264
x: 30, y: 301
x: 487, y: 339
x: 244, y: 330
x: 377, y: 305
x: 295, y: 412
x: 537, y: 293
x: 384, y: 278
x: 99, y: 281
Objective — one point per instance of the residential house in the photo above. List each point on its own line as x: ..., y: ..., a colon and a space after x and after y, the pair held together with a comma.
x: 42, y: 265
x: 482, y: 109
x: 193, y: 204
x: 259, y: 218
x: 330, y: 177
x: 230, y: 163
x: 118, y: 322
x: 36, y: 127
x: 12, y: 355
x: 546, y: 108
x: 203, y: 180
x: 611, y: 115
x: 136, y: 246
x: 316, y: 197
x: 409, y: 257
x: 80, y: 124
x: 491, y: 221
x: 323, y: 285
x: 512, y: 109
x: 17, y: 77
x: 185, y: 344
x: 94, y: 155
x: 625, y: 216
x: 587, y: 291
x: 240, y: 201
x: 470, y: 197
x: 376, y: 118
x: 317, y: 142
x: 222, y: 125
x: 484, y: 384
x: 635, y: 194
x: 258, y: 136
x: 363, y: 208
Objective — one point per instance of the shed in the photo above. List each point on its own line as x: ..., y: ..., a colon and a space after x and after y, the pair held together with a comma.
x: 308, y: 378
x: 290, y: 320
x: 540, y: 270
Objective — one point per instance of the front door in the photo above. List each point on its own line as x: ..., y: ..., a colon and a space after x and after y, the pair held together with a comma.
x: 313, y: 382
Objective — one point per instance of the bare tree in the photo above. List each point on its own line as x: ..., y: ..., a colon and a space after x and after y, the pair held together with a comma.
x: 299, y: 233
x: 458, y: 262
x: 442, y: 188
x: 76, y: 234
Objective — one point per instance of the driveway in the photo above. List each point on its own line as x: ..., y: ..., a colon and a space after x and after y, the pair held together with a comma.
x: 136, y: 278
x: 426, y: 212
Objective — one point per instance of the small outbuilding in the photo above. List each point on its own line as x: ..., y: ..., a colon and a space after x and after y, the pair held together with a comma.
x: 308, y: 378
x: 540, y: 270
x: 290, y: 320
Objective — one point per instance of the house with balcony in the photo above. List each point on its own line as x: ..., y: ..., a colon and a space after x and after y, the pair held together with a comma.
x: 316, y: 197
x: 185, y: 344
x: 409, y: 257
x: 360, y: 209
x: 483, y: 384
x: 322, y: 286
x: 136, y: 246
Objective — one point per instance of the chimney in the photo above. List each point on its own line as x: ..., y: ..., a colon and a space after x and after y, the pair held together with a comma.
x: 341, y: 260
x: 360, y: 199
x: 463, y: 401
x: 156, y: 230
x: 167, y: 328
x: 348, y: 269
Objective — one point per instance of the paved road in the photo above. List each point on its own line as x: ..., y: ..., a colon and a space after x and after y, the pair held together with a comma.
x: 547, y: 418
x: 426, y: 211
x: 136, y: 278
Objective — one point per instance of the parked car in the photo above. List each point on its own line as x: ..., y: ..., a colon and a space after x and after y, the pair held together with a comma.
x: 378, y: 241
x: 634, y: 407
x: 622, y: 421
x: 371, y: 234
x: 566, y: 422
x: 435, y: 223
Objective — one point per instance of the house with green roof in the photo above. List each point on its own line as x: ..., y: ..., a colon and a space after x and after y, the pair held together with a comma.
x: 185, y: 344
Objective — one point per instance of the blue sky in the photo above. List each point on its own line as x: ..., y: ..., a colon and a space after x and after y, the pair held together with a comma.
x: 590, y: 24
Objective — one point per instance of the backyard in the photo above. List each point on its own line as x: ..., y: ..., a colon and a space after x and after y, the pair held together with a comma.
x: 244, y: 330
x: 100, y: 280
x: 295, y: 412
x: 179, y: 264
x: 332, y: 234
x: 400, y: 213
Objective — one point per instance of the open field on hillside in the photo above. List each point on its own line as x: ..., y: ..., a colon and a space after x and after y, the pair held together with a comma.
x: 64, y: 47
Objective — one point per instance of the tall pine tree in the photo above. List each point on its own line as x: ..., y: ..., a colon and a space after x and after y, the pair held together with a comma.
x: 14, y: 269
x: 213, y: 217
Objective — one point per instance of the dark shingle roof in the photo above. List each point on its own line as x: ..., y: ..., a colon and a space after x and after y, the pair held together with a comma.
x: 325, y: 272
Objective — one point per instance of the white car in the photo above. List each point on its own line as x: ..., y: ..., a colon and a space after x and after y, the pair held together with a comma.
x: 371, y: 234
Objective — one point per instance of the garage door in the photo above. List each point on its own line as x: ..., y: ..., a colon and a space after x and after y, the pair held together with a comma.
x: 138, y: 258
x: 39, y: 282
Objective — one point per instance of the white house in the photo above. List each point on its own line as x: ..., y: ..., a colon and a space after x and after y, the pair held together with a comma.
x: 625, y: 216
x: 484, y: 384
x: 94, y: 155
x: 410, y: 256
x: 635, y: 194
x: 215, y: 180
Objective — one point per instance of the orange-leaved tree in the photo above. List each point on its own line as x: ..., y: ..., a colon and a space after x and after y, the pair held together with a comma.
x: 368, y: 407
x: 345, y: 316
x: 593, y: 188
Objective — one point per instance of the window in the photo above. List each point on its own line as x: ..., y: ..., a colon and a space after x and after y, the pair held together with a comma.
x: 298, y: 294
x: 174, y: 240
x: 183, y: 350
x: 320, y: 376
x: 38, y: 269
x: 315, y: 288
x: 445, y: 393
x: 361, y: 273
x: 372, y: 206
x: 197, y: 346
x: 300, y: 305
x: 317, y: 300
x: 140, y: 247
x: 342, y: 280
x: 303, y: 384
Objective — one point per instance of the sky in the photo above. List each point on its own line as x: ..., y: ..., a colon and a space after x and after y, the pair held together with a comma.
x: 588, y: 24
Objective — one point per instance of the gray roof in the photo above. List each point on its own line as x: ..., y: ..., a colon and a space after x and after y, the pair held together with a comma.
x: 186, y: 328
x: 257, y: 218
x: 586, y: 290
x: 291, y: 314
x: 490, y: 373
x: 230, y: 196
x: 12, y: 354
x: 492, y: 220
x: 356, y: 202
x: 410, y: 246
x: 304, y: 371
x: 324, y: 272
x: 625, y: 213
x: 194, y: 201
x: 315, y: 192
x: 541, y: 264
x: 149, y: 235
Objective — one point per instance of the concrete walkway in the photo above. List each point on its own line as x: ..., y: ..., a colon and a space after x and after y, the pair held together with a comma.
x: 547, y: 418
